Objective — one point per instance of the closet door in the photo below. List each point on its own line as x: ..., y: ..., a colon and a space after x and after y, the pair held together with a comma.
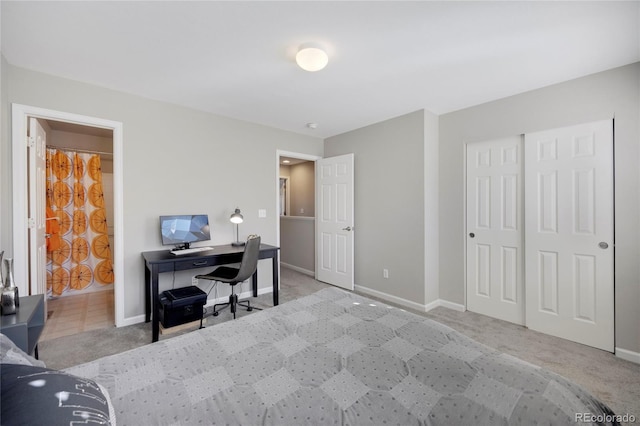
x: 494, y: 229
x: 569, y: 233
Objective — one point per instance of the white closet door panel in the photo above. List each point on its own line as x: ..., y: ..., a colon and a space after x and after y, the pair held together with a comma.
x: 569, y: 233
x: 494, y: 229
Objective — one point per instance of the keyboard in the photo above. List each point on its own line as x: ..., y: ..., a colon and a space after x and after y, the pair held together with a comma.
x: 190, y: 250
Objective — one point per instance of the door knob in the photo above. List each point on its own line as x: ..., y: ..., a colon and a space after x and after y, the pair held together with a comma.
x: 348, y: 228
x: 472, y: 235
x: 603, y: 245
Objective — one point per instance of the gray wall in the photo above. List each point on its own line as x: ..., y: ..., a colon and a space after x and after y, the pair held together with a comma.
x: 614, y: 93
x: 176, y: 160
x: 181, y: 160
x: 303, y: 189
x: 389, y: 204
x: 298, y: 242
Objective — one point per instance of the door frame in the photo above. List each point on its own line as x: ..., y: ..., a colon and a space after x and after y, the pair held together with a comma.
x: 300, y: 156
x: 19, y: 119
x: 287, y: 196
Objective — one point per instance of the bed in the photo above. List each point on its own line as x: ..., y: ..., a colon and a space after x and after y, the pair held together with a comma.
x: 331, y: 358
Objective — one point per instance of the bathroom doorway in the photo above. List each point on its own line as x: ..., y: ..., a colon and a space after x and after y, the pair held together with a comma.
x: 26, y: 198
x: 79, y: 265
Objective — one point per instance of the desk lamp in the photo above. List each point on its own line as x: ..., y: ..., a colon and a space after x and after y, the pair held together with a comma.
x: 237, y: 218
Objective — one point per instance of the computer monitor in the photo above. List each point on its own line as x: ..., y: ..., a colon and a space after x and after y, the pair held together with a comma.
x: 182, y: 230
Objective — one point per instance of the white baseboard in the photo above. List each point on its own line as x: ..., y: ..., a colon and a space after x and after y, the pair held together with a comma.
x: 298, y: 269
x: 628, y: 355
x: 131, y: 321
x: 408, y: 303
x: 390, y: 298
x: 451, y: 305
x: 432, y: 305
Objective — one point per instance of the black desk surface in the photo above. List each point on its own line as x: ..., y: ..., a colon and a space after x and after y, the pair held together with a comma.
x: 165, y: 256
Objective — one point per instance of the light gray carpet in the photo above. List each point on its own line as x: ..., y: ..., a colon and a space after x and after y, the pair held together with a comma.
x: 611, y: 379
x: 616, y: 382
x: 87, y: 346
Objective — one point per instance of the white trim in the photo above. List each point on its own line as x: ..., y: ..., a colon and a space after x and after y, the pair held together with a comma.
x: 298, y: 269
x: 390, y: 298
x: 131, y: 321
x: 408, y: 303
x: 431, y: 305
x: 451, y: 305
x: 298, y: 155
x: 628, y: 355
x: 309, y: 218
x: 287, y: 195
x: 19, y: 114
x: 464, y: 221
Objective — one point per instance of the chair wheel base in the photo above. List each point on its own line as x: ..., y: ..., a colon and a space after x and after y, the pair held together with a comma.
x: 215, y: 314
x: 249, y: 309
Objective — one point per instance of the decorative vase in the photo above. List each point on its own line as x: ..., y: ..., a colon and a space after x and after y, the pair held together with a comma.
x: 10, y: 297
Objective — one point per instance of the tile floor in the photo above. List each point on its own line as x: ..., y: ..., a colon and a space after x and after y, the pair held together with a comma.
x: 74, y: 314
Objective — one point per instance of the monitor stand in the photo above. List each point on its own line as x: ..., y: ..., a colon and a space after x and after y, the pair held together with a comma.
x: 184, y: 246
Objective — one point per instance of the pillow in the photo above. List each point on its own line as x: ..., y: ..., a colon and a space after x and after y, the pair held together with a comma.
x: 36, y: 395
x: 11, y: 354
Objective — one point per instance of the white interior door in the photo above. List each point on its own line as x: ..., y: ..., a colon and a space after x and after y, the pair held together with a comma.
x: 494, y: 229
x: 36, y: 206
x: 569, y: 233
x: 334, y: 220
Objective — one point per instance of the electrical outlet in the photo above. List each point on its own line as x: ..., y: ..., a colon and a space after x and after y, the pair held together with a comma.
x: 385, y: 273
x: 194, y: 280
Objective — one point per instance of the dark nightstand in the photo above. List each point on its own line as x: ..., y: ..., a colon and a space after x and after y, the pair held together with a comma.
x: 25, y: 327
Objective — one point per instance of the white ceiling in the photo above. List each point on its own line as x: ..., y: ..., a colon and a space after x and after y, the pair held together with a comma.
x: 236, y: 59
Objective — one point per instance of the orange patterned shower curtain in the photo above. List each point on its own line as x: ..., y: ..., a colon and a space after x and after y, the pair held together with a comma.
x: 83, y: 260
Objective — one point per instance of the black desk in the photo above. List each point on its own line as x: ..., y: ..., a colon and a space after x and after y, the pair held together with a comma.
x: 156, y: 262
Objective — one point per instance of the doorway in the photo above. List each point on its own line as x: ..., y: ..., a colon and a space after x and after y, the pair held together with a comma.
x: 25, y: 199
x: 296, y: 209
x: 333, y: 239
x: 80, y: 257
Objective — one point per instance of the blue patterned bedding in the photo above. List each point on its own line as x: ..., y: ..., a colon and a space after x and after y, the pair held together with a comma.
x: 333, y: 358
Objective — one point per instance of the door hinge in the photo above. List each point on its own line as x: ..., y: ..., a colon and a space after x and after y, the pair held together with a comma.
x: 31, y: 223
x: 31, y: 142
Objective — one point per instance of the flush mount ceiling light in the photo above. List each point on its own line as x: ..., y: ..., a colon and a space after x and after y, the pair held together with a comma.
x: 312, y: 58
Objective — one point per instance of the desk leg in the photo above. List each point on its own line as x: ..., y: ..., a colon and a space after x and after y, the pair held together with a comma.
x: 147, y: 293
x: 155, y: 324
x: 274, y: 266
